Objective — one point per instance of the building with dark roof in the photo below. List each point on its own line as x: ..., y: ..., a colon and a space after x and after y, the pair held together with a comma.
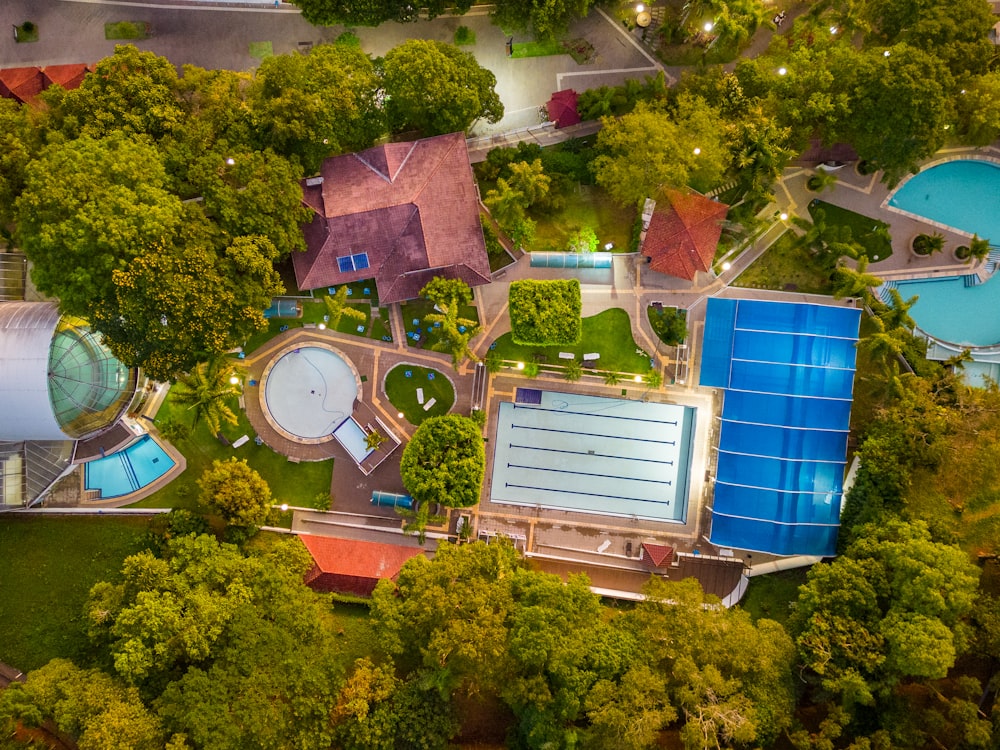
x: 24, y: 84
x: 683, y: 234
x: 351, y: 566
x: 562, y: 108
x: 402, y: 213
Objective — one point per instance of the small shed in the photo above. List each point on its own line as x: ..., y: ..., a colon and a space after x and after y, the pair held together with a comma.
x: 657, y: 556
x: 351, y: 566
x: 562, y: 108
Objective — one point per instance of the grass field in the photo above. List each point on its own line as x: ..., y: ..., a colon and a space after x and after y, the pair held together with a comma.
x: 769, y: 596
x: 538, y: 49
x: 608, y: 333
x: 49, y: 565
x: 871, y: 234
x: 305, y: 484
x: 418, y: 309
x: 786, y: 266
x: 402, y: 392
x: 126, y: 30
x: 587, y: 206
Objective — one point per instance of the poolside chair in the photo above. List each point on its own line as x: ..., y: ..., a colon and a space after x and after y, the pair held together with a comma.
x: 349, y: 291
x: 368, y: 292
x: 361, y: 329
x: 387, y: 338
x: 461, y: 329
x: 430, y: 376
x: 331, y: 290
x: 408, y: 373
x: 416, y: 321
x: 416, y: 337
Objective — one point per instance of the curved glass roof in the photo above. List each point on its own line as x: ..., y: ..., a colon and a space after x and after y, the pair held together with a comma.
x: 88, y: 387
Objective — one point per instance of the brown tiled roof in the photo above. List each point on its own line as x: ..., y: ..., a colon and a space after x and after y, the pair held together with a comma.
x: 717, y: 576
x: 562, y: 108
x: 412, y: 207
x: 67, y: 76
x: 22, y: 84
x: 658, y: 555
x: 683, y: 234
x: 353, y: 566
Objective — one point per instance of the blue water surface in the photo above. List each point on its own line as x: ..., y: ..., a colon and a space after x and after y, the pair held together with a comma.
x: 128, y: 470
x: 962, y: 194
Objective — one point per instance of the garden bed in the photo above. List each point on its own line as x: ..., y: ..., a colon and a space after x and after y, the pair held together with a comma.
x: 871, y: 234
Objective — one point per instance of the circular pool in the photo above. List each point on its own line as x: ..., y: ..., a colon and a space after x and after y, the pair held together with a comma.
x: 307, y: 391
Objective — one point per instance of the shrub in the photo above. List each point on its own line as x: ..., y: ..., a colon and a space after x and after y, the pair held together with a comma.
x: 464, y: 36
x: 669, y: 323
x: 545, y: 313
x: 928, y: 244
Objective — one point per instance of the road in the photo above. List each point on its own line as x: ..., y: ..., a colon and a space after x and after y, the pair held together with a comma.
x: 219, y: 36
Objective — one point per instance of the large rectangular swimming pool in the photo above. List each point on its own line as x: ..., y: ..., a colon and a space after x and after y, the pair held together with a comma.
x: 591, y: 454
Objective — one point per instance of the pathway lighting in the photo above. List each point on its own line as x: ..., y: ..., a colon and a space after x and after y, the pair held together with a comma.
x: 230, y: 161
x: 782, y: 70
x: 833, y: 29
x: 322, y: 326
x: 885, y: 54
x: 638, y: 378
x: 783, y: 216
x: 284, y: 506
x: 399, y: 414
x: 697, y: 151
x: 708, y: 25
x: 726, y: 266
x: 234, y: 380
x: 520, y: 365
x: 640, y: 8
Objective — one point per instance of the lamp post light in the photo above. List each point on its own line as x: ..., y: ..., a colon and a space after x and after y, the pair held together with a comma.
x: 783, y: 216
x: 726, y: 266
x: 708, y: 26
x: 697, y: 151
x: 234, y: 380
x: 782, y: 70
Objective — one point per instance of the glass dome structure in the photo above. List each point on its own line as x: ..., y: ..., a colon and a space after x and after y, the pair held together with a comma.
x: 57, y: 380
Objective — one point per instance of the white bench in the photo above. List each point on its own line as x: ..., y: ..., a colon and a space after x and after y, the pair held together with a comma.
x: 591, y: 356
x: 420, y: 395
x: 241, y: 441
x: 430, y: 403
x: 567, y: 355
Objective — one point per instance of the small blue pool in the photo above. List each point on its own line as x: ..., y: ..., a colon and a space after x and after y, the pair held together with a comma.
x: 962, y: 194
x: 350, y: 435
x: 282, y: 308
x: 128, y: 470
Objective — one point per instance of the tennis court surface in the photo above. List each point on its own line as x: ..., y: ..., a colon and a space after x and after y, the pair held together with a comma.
x: 788, y: 374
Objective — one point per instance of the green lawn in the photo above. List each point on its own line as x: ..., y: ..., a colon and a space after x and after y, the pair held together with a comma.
x: 538, y: 49
x: 587, y: 206
x: 49, y: 565
x: 126, y: 30
x: 26, y: 33
x: 303, y: 484
x: 260, y: 50
x: 402, y: 392
x: 769, y: 596
x: 608, y: 333
x: 786, y: 265
x: 430, y: 336
x: 357, y: 637
x: 872, y: 234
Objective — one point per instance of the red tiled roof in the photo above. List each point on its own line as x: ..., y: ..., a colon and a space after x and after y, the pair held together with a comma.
x: 658, y: 555
x: 683, y: 234
x: 352, y: 565
x: 412, y: 207
x: 562, y: 108
x: 22, y: 84
x: 67, y: 76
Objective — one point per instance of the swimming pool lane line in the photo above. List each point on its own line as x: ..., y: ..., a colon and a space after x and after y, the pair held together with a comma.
x: 588, y: 453
x: 584, y: 494
x: 589, y: 474
x: 592, y: 434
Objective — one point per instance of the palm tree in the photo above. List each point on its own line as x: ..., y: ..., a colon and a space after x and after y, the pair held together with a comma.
x: 374, y: 439
x: 612, y: 378
x: 884, y: 347
x: 205, y: 391
x: 417, y: 520
x: 653, y: 379
x: 337, y: 308
x: 896, y: 314
x: 448, y: 295
x: 928, y: 244
x: 573, y: 371
x: 821, y: 180
x: 978, y: 247
x: 855, y: 282
x: 959, y: 360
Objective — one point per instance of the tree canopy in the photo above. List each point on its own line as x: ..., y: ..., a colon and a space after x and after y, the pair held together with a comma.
x: 238, y: 492
x: 444, y: 462
x: 545, y: 313
x: 437, y: 88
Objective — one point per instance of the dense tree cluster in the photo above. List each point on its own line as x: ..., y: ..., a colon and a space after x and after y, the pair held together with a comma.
x: 156, y: 205
x: 444, y: 462
x: 545, y: 313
